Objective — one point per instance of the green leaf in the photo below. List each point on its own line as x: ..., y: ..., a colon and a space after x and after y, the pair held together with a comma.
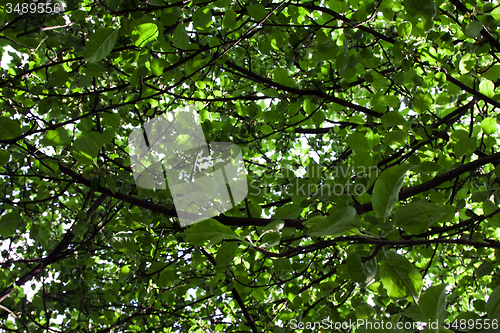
x: 58, y: 78
x: 266, y: 129
x: 85, y: 150
x: 489, y: 207
x: 110, y: 183
x: 358, y: 142
x: 271, y: 92
x: 422, y: 102
x: 200, y: 85
x: 318, y: 118
x: 432, y: 303
x: 255, y: 210
x: 4, y: 157
x: 484, y: 269
x: 395, y: 136
x: 110, y: 119
x: 181, y: 38
x: 417, y: 216
x: 487, y: 88
x: 399, y: 277
x: 386, y: 190
x: 342, y: 61
x: 124, y: 242
x: 282, y: 76
x: 209, y: 231
x: 288, y: 211
x: 473, y: 29
x: 314, y: 220
x: 9, y: 128
x: 229, y: 20
x: 465, y: 146
x: 124, y: 271
x: 493, y: 305
x: 465, y: 316
x: 202, y: 19
x: 393, y: 118
x: 97, y: 137
x: 157, y: 66
x: 386, y: 100
x: 368, y: 77
x: 80, y: 228
x: 493, y: 72
x: 425, y: 8
x: 459, y: 134
x: 100, y: 45
x: 340, y: 221
x: 358, y: 271
x: 309, y: 106
x: 404, y: 29
x: 275, y: 225
x: 226, y: 253
x: 414, y: 313
x: 270, y: 239
x: 489, y: 125
x: 57, y: 137
x: 258, y: 12
x: 88, y: 146
x: 496, y: 13
x: 145, y: 33
x: 9, y: 223
x: 260, y: 294
x: 467, y: 62
x: 94, y: 70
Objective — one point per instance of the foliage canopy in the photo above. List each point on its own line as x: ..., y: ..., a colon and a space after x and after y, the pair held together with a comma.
x: 392, y: 102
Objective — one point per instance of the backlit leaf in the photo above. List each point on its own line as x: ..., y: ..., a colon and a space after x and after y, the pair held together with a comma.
x: 9, y: 128
x: 417, y: 216
x: 341, y: 221
x: 399, y: 276
x: 57, y: 137
x: 145, y: 33
x: 489, y: 125
x: 209, y: 231
x: 202, y: 18
x: 100, y: 45
x: 487, y: 88
x: 386, y: 190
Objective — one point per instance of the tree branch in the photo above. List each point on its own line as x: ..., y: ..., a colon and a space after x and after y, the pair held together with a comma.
x: 53, y: 257
x: 301, y: 92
